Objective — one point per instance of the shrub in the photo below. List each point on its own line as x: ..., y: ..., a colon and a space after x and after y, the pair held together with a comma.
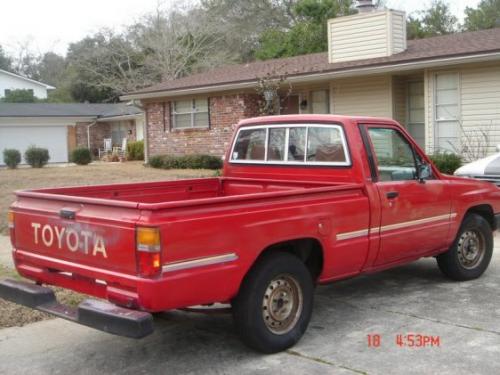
x: 446, y: 162
x: 186, y: 162
x: 155, y: 161
x: 135, y: 150
x: 37, y: 157
x: 11, y: 157
x: 81, y: 156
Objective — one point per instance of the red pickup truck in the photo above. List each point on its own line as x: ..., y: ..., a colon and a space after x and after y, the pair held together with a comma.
x: 303, y: 200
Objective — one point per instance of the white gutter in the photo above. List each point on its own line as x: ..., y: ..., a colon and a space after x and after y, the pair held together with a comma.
x: 88, y: 133
x: 119, y: 117
x: 395, y: 67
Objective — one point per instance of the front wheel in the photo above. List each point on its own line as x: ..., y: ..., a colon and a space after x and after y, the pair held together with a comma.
x: 470, y: 254
x: 274, y: 305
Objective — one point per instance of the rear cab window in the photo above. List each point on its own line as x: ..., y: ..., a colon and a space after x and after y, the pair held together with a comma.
x: 296, y: 144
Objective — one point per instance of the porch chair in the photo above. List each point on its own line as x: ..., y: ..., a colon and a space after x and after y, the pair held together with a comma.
x: 121, y: 151
x: 108, y: 147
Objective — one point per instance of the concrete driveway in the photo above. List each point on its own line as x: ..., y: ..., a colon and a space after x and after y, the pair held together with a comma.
x: 411, y: 299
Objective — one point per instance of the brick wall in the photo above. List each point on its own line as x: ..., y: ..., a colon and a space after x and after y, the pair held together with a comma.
x: 98, y: 132
x: 225, y: 112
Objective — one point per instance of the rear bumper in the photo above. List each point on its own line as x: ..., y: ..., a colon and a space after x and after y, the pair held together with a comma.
x: 171, y: 290
x: 91, y: 313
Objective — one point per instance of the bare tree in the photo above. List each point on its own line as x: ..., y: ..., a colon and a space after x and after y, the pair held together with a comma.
x: 475, y: 143
x: 164, y: 45
x: 177, y: 42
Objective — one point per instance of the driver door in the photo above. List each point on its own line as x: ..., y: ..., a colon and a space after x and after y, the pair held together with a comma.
x: 415, y: 214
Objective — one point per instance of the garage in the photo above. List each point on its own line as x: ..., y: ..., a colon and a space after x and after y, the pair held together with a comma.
x: 53, y: 138
x: 62, y: 127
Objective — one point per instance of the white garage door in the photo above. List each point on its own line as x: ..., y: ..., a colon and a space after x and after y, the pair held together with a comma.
x: 53, y: 138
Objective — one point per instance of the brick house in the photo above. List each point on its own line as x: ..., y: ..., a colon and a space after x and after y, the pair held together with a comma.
x: 62, y: 127
x: 445, y: 90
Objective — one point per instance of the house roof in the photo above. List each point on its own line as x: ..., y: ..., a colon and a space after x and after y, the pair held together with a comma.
x: 449, y: 46
x: 48, y: 87
x: 67, y: 110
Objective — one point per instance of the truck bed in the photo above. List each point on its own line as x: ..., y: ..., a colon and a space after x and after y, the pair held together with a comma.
x: 98, y: 249
x: 164, y: 194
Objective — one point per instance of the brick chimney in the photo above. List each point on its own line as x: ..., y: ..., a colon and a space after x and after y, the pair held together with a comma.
x: 369, y: 34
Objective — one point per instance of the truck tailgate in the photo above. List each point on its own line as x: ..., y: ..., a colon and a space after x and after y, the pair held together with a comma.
x: 92, y: 235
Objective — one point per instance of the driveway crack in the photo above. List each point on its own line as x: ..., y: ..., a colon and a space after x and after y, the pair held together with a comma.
x: 324, y: 362
x: 438, y: 321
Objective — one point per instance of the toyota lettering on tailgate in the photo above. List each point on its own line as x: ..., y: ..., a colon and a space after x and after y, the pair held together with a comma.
x: 69, y: 238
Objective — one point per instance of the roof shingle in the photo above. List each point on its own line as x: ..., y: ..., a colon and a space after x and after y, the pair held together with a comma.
x: 454, y: 45
x: 66, y: 110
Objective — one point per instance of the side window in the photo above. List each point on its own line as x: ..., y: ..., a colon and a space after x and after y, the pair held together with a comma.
x: 395, y: 157
x: 251, y: 145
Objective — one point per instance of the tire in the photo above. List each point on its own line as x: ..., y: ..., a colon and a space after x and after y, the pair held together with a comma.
x: 470, y: 254
x: 268, y: 326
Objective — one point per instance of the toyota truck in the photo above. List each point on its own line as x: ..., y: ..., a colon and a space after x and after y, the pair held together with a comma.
x: 303, y: 200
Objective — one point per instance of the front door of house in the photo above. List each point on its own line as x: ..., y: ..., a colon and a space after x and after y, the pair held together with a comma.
x: 416, y: 112
x: 290, y: 105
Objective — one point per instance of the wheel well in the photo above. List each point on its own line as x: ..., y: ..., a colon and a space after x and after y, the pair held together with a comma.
x: 309, y: 250
x: 485, y: 211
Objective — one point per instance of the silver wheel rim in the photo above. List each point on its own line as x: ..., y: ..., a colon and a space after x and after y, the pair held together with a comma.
x: 471, y: 249
x: 282, y: 304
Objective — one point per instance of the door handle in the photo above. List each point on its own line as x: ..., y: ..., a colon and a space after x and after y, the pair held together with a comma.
x: 392, y: 195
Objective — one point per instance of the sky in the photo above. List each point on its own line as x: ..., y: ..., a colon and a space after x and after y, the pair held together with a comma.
x: 51, y: 25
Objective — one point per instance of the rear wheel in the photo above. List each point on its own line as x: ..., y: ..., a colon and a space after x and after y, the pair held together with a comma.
x: 470, y: 253
x: 274, y: 305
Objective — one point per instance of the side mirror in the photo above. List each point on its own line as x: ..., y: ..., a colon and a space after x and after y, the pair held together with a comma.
x: 424, y: 172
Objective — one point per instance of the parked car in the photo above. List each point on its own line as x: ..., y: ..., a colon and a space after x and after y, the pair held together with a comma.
x: 303, y: 200
x: 486, y: 169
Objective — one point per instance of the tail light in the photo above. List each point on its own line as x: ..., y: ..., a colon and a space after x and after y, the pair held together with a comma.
x: 11, y: 225
x: 148, y: 247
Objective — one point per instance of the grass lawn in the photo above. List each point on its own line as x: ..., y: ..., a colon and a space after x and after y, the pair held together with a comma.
x: 93, y: 174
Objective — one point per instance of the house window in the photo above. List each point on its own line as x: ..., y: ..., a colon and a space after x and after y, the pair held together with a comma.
x: 191, y: 113
x: 416, y: 111
x: 320, y: 102
x: 447, y: 112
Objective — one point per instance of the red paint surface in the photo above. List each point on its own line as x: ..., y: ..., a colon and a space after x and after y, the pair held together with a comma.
x: 248, y: 209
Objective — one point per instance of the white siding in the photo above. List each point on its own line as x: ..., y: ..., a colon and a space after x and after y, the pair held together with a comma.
x: 367, y: 96
x: 8, y: 82
x: 398, y: 32
x: 366, y: 35
x: 399, y: 99
x: 479, y: 99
